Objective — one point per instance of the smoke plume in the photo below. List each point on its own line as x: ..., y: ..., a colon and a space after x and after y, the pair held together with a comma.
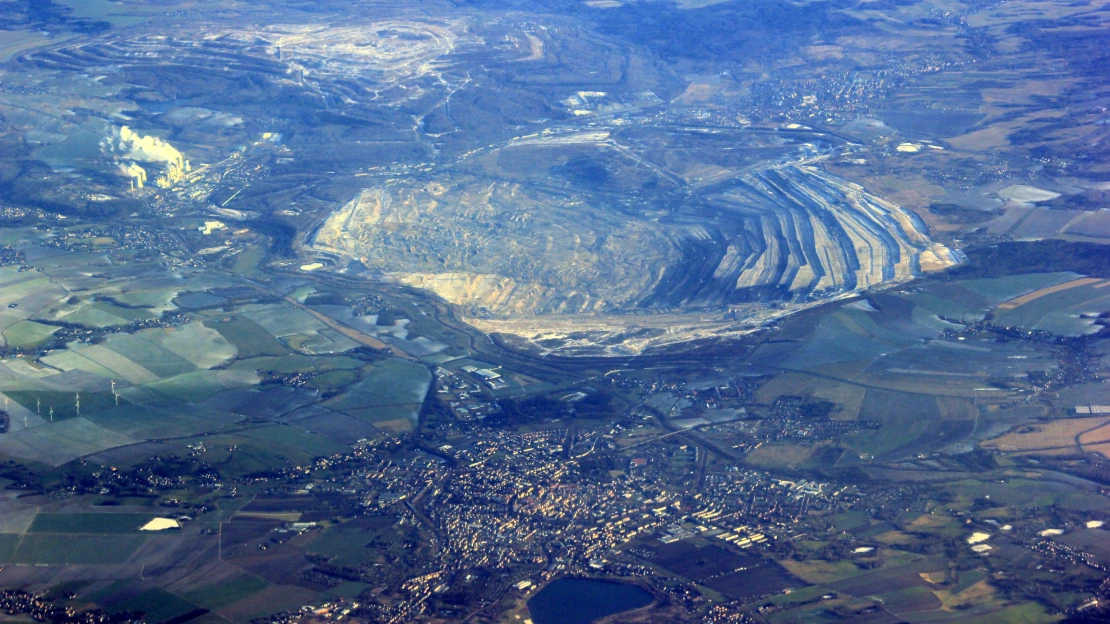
x: 135, y: 172
x: 146, y: 148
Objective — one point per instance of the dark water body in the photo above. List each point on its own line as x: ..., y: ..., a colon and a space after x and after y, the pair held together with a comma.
x: 581, y: 601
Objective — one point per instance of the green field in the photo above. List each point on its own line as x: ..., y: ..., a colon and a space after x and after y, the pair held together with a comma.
x: 156, y: 604
x: 94, y: 317
x: 800, y: 596
x: 79, y: 359
x: 1030, y: 493
x: 28, y: 334
x: 128, y: 314
x: 283, y: 320
x: 150, y: 299
x: 849, y: 520
x: 216, y: 596
x: 56, y: 443
x: 1059, y: 312
x: 64, y: 403
x: 888, y: 437
x: 1028, y: 613
x: 8, y: 542
x: 80, y: 549
x: 343, y: 545
x: 143, y: 349
x: 295, y: 444
x: 948, y: 308
x: 239, y: 455
x: 349, y: 590
x: 202, y: 346
x: 153, y: 421
x: 296, y: 363
x: 267, y: 602
x: 349, y: 543
x: 102, y: 523
x: 14, y: 292
x: 335, y: 379
x: 386, y: 414
x: 815, y: 615
x: 910, y: 600
x: 389, y: 382
x: 250, y: 339
x: 246, y: 263
x: 967, y: 579
x: 998, y: 289
x: 191, y: 387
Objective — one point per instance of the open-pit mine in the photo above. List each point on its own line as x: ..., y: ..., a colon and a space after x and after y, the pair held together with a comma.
x: 554, y: 311
x: 561, y: 262
x: 555, y: 187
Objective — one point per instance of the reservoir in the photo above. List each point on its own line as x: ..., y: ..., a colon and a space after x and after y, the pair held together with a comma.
x: 581, y: 601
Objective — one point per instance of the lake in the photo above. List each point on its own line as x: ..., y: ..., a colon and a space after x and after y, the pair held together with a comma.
x: 581, y: 601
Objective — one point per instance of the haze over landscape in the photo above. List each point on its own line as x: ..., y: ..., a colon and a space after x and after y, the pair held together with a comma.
x: 554, y: 312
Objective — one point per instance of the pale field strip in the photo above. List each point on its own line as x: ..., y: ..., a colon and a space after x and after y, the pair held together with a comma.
x: 118, y: 364
x: 72, y: 360
x: 283, y: 516
x: 1051, y: 435
x: 535, y: 47
x: 1102, y: 449
x: 1022, y: 300
x: 1096, y: 436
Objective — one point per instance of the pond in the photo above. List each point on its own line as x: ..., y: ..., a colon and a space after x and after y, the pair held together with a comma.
x: 581, y: 601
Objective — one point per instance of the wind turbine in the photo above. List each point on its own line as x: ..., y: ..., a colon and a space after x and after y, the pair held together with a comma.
x: 38, y: 406
x: 78, y: 404
x: 51, y: 413
x: 114, y: 392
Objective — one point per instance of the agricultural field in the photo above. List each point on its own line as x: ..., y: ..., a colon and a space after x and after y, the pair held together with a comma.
x: 1026, y: 222
x: 913, y: 368
x: 227, y: 592
x: 250, y: 339
x: 27, y: 334
x: 1068, y: 309
x: 157, y: 604
x: 100, y: 543
x: 53, y: 549
x: 922, y: 590
x: 401, y: 312
x: 1096, y: 441
x: 388, y: 393
x: 105, y: 523
x: 1064, y: 434
x: 407, y: 329
x: 781, y: 456
x: 730, y: 574
x: 157, y: 372
x: 1000, y: 289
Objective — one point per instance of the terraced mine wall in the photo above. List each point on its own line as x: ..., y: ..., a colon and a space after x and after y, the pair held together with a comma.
x: 782, y: 234
x: 796, y: 234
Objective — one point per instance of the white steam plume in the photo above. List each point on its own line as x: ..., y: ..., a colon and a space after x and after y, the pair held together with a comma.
x: 135, y: 172
x: 147, y: 148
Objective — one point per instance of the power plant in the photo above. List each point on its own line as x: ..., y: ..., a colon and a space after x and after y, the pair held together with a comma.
x: 147, y: 149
